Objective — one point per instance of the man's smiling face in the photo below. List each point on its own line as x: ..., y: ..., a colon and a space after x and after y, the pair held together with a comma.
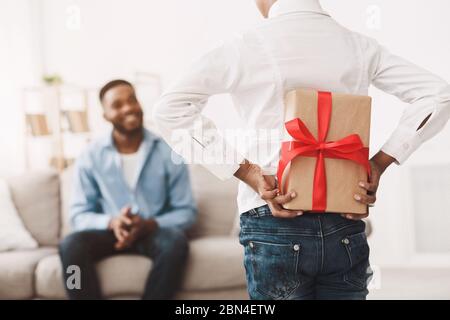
x: 122, y: 109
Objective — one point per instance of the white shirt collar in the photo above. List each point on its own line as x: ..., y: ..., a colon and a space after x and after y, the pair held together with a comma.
x: 282, y: 7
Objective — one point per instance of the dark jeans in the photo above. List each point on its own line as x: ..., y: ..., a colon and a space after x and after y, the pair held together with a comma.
x: 314, y: 256
x: 168, y: 249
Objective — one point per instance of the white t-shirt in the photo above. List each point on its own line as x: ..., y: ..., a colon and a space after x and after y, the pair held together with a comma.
x: 129, y: 167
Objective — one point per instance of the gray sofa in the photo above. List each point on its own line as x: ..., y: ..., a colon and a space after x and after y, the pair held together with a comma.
x: 215, y: 266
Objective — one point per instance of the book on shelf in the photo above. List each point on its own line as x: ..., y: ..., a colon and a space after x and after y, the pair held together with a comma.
x: 37, y: 124
x: 77, y: 121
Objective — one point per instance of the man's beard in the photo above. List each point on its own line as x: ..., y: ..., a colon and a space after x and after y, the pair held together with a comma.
x: 126, y: 131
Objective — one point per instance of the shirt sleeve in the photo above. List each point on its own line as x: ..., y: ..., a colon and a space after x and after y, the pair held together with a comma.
x: 427, y: 94
x: 178, y: 114
x: 182, y: 210
x: 85, y: 196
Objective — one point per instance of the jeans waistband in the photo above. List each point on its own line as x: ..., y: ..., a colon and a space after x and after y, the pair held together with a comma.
x: 310, y: 223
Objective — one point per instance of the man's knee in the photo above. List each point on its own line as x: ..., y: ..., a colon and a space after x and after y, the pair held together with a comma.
x: 173, y: 242
x: 75, y: 245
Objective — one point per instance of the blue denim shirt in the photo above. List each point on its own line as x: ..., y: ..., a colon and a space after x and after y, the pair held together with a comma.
x: 162, y: 189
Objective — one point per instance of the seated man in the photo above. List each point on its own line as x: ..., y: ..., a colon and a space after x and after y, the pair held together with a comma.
x: 129, y: 196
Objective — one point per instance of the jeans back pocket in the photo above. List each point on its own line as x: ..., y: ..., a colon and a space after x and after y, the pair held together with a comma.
x: 358, y: 250
x: 274, y: 268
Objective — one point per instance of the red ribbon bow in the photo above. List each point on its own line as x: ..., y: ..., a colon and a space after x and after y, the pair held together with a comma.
x: 348, y: 148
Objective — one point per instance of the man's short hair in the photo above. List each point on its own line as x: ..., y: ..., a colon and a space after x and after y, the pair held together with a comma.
x: 113, y: 84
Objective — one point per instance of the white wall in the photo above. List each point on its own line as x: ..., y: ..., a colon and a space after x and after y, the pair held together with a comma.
x: 20, y: 64
x: 115, y: 38
x: 161, y: 36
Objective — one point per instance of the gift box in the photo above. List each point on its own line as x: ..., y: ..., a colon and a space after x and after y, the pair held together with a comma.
x: 324, y: 153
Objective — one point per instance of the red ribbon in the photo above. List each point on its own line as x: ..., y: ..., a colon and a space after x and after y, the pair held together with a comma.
x: 348, y: 148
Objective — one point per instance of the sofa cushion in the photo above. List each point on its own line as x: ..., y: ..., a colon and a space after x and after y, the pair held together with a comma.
x: 13, y: 234
x: 17, y: 270
x: 216, y: 201
x: 118, y: 275
x: 65, y: 192
x: 36, y: 196
x: 214, y: 263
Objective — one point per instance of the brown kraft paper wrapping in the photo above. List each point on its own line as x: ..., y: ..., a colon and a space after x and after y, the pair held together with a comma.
x: 350, y: 115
